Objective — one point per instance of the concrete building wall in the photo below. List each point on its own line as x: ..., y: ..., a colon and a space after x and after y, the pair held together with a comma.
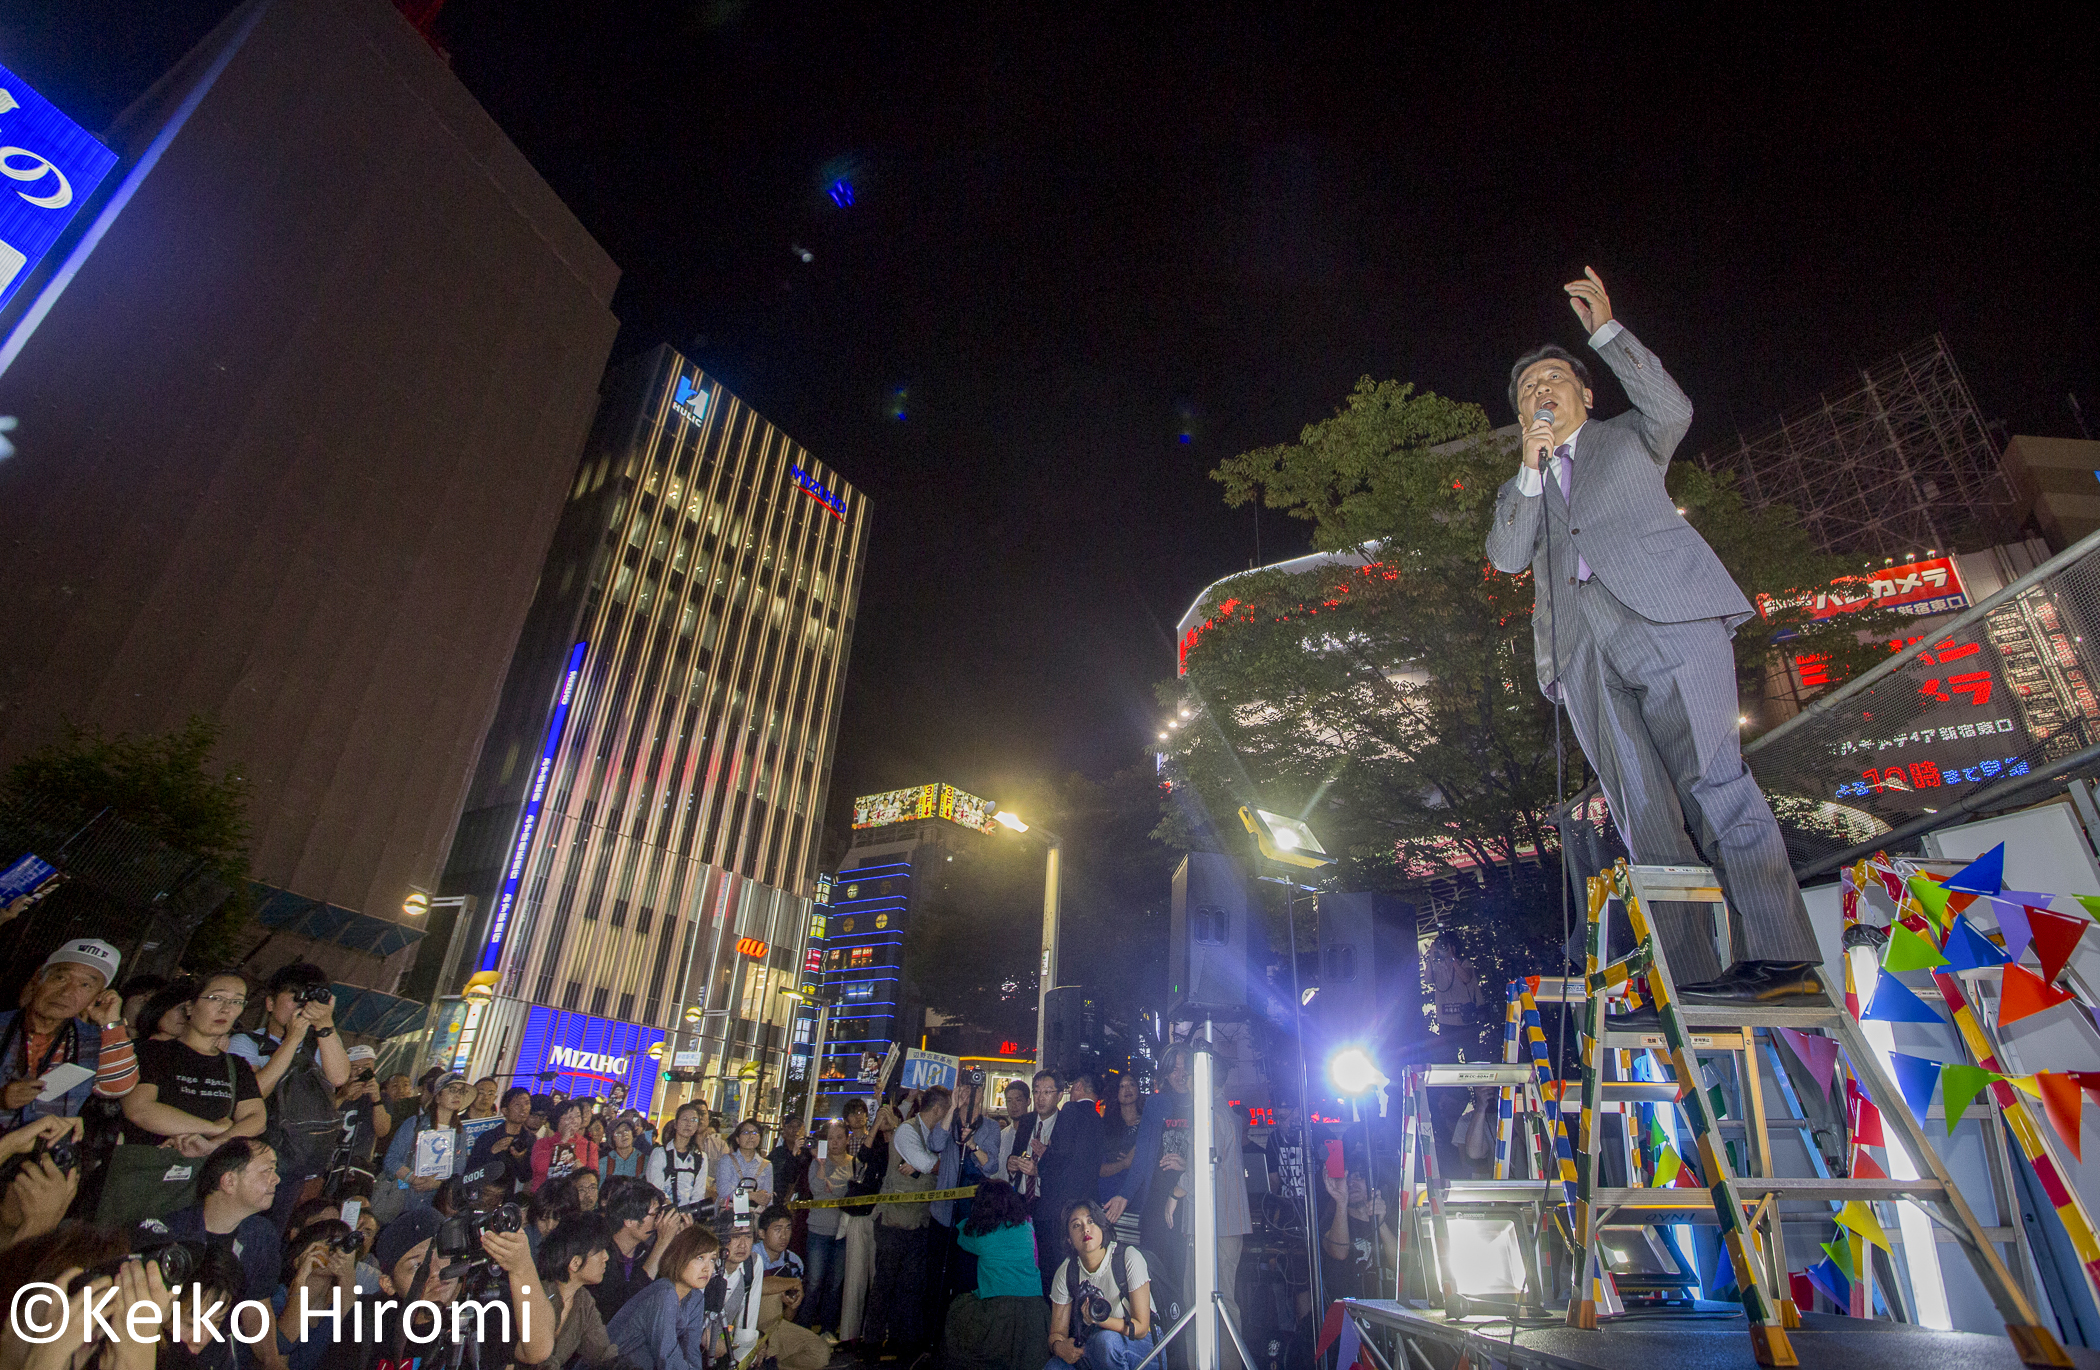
x: 293, y: 443
x: 2059, y: 482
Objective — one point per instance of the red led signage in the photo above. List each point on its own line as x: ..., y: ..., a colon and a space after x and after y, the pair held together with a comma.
x: 751, y: 946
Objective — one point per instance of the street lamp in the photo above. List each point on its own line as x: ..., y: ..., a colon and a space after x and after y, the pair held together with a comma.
x: 1047, y: 972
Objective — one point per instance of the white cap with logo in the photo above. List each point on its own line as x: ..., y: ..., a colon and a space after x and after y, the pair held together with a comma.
x: 97, y: 956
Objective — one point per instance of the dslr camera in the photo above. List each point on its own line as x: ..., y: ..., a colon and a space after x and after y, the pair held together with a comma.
x: 1093, y: 1307
x: 460, y: 1235
x: 62, y: 1154
x: 312, y: 994
x: 177, y: 1261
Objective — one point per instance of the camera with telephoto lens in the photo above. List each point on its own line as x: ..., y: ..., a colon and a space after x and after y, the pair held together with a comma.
x: 62, y: 1154
x: 460, y: 1235
x: 177, y: 1260
x: 1093, y: 1306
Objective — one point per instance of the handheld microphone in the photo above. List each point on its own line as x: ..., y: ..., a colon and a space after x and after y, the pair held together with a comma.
x: 1543, y: 416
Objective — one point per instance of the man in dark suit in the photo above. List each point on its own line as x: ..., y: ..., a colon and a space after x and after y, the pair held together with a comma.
x: 1631, y: 627
x: 1058, y: 1156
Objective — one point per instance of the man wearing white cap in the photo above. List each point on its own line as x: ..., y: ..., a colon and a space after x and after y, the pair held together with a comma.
x: 358, y: 1097
x: 71, y: 1018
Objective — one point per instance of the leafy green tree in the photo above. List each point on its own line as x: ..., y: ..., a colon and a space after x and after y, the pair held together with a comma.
x: 164, y: 784
x: 1394, y: 699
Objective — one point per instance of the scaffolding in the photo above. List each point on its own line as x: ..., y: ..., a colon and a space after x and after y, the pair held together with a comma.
x: 1897, y: 466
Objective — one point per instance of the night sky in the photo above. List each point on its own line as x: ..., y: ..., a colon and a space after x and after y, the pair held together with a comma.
x: 1075, y: 238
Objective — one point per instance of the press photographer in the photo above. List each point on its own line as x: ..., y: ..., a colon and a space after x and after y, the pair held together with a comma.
x: 299, y: 1063
x: 39, y: 1175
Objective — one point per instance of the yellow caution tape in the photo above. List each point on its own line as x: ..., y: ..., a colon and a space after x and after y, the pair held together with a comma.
x: 931, y: 1196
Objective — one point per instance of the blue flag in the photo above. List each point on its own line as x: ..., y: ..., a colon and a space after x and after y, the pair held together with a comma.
x: 1984, y: 875
x: 1968, y: 949
x: 1917, y: 1077
x: 1895, y: 1003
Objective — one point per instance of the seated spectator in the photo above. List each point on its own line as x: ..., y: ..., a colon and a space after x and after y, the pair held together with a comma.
x: 400, y: 1098
x: 166, y: 1011
x: 1100, y: 1297
x: 192, y: 1098
x: 668, y: 1325
x: 588, y: 1190
x: 595, y: 1130
x: 550, y: 1205
x: 639, y: 1227
x: 504, y: 1152
x: 572, y: 1259
x: 408, y: 1271
x: 310, y: 1212
x: 744, y: 1271
x: 137, y: 990
x: 236, y: 1186
x: 299, y: 1063
x: 74, y: 1247
x: 679, y: 1166
x: 567, y: 1151
x: 794, y: 1346
x: 69, y: 1017
x: 1004, y: 1321
x: 41, y: 1191
x: 744, y: 1169
x: 441, y: 1118
x: 314, y: 1267
x: 624, y: 1158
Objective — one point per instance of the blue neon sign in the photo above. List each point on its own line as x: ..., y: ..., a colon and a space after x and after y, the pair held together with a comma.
x: 529, y: 820
x: 51, y: 166
x: 690, y: 400
x: 814, y: 488
x: 587, y: 1055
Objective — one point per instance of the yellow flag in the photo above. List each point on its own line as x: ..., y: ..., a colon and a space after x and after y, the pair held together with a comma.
x: 2026, y: 1084
x: 1666, y: 1167
x: 1860, y: 1218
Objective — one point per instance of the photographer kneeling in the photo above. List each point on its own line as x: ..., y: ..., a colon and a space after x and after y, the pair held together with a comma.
x: 444, y: 1282
x: 1100, y: 1298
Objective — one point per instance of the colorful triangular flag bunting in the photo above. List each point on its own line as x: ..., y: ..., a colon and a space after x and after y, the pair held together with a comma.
x: 1915, y: 1076
x: 2013, y: 925
x: 1984, y: 875
x: 1865, y: 1167
x: 2056, y: 936
x: 1667, y: 1165
x: 1829, y: 1281
x: 2063, y: 1103
x: 1931, y: 898
x: 1860, y: 1218
x: 1959, y: 1086
x: 2025, y: 994
x: 1839, y: 1252
x: 1812, y: 1049
x: 1862, y: 1117
x: 1895, y: 1003
x: 1968, y: 949
x: 2089, y: 902
x: 1908, y: 951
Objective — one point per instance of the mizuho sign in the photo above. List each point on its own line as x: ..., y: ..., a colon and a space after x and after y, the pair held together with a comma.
x: 595, y: 1063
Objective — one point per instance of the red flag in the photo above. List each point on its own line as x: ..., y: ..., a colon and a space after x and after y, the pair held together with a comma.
x: 2024, y: 995
x: 1864, y: 1167
x: 1863, y: 1116
x: 2055, y: 938
x: 2063, y: 1103
x: 1890, y: 881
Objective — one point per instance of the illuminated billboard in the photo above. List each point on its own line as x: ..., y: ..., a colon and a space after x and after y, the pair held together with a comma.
x: 924, y: 801
x: 52, y: 166
x: 1932, y: 586
x: 586, y: 1055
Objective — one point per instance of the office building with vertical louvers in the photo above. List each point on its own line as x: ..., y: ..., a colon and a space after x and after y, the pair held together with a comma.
x: 640, y: 844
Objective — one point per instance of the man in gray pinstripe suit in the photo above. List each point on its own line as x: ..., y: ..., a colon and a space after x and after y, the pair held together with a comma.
x: 1632, y: 624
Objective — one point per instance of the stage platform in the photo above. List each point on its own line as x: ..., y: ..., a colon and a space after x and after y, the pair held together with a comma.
x: 1716, y: 1338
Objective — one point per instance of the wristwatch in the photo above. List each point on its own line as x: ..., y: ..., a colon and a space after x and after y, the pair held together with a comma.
x: 321, y: 1032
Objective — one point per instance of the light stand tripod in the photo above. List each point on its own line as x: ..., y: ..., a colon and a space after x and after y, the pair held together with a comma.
x: 1204, y: 1295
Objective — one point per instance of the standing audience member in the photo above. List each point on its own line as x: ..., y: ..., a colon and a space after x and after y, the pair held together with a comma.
x: 485, y: 1091
x: 871, y: 1159
x: 1100, y: 1298
x: 1003, y: 1321
x: 1357, y: 1240
x: 571, y: 1260
x: 358, y: 1101
x: 1059, y: 1156
x: 786, y: 1156
x: 299, y: 1064
x: 189, y: 1090
x: 166, y: 1011
x: 903, y: 1243
x: 679, y: 1167
x: 236, y: 1186
x: 69, y: 1016
x: 566, y: 1151
x: 744, y: 1169
x: 668, y: 1325
x: 440, y: 1121
x: 829, y: 1177
x: 1119, y: 1134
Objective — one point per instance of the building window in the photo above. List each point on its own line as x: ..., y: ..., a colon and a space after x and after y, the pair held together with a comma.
x: 861, y: 956
x: 642, y: 918
x: 860, y: 992
x: 598, y: 998
x: 571, y: 996
x: 831, y: 958
x: 626, y: 1007
x: 619, y: 913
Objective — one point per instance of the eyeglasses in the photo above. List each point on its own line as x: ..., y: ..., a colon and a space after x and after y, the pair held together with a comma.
x: 223, y: 1000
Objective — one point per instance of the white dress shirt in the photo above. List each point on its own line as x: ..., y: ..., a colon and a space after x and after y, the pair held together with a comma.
x: 1529, y: 481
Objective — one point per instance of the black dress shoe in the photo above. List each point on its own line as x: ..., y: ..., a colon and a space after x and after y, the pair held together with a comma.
x: 1643, y: 1019
x: 1758, y: 982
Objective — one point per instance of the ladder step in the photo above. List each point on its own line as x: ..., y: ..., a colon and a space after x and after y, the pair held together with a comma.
x: 1649, y: 1202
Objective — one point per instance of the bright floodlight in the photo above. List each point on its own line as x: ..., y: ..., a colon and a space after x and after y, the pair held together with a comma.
x: 1485, y: 1258
x: 1008, y: 820
x: 1353, y: 1071
x: 1285, y: 839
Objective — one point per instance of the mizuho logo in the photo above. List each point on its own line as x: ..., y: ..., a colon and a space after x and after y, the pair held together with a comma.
x: 690, y: 400
x: 590, y: 1061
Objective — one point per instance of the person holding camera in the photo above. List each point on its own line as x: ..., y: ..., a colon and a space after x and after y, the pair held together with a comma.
x: 40, y: 1170
x: 504, y: 1152
x: 320, y: 1260
x: 236, y: 1188
x: 572, y: 1259
x: 365, y: 1121
x: 1100, y: 1297
x: 67, y: 1040
x: 299, y: 1062
x: 641, y: 1225
x: 422, y: 1255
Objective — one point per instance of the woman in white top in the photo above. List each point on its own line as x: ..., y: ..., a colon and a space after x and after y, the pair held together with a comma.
x: 679, y: 1168
x: 744, y: 1169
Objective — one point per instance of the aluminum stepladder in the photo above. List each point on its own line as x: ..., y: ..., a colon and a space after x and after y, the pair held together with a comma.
x: 1689, y: 1029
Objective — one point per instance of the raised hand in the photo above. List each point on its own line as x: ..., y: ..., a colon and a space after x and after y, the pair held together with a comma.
x: 1587, y: 298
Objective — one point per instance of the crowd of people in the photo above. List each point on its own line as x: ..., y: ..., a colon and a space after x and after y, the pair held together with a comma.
x: 284, y: 1175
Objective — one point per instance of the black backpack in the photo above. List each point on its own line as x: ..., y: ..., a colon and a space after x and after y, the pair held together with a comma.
x: 305, y: 1125
x: 1167, y: 1306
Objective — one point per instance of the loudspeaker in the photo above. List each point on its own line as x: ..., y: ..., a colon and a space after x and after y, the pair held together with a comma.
x: 1207, y: 941
x: 1071, y: 1031
x: 1370, y: 975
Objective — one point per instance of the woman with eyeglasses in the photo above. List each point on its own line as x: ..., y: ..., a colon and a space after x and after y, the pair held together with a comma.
x: 744, y: 1169
x: 193, y: 1096
x: 440, y: 1122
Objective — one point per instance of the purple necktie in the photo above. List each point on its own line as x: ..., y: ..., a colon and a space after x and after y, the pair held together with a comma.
x: 1566, y: 454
